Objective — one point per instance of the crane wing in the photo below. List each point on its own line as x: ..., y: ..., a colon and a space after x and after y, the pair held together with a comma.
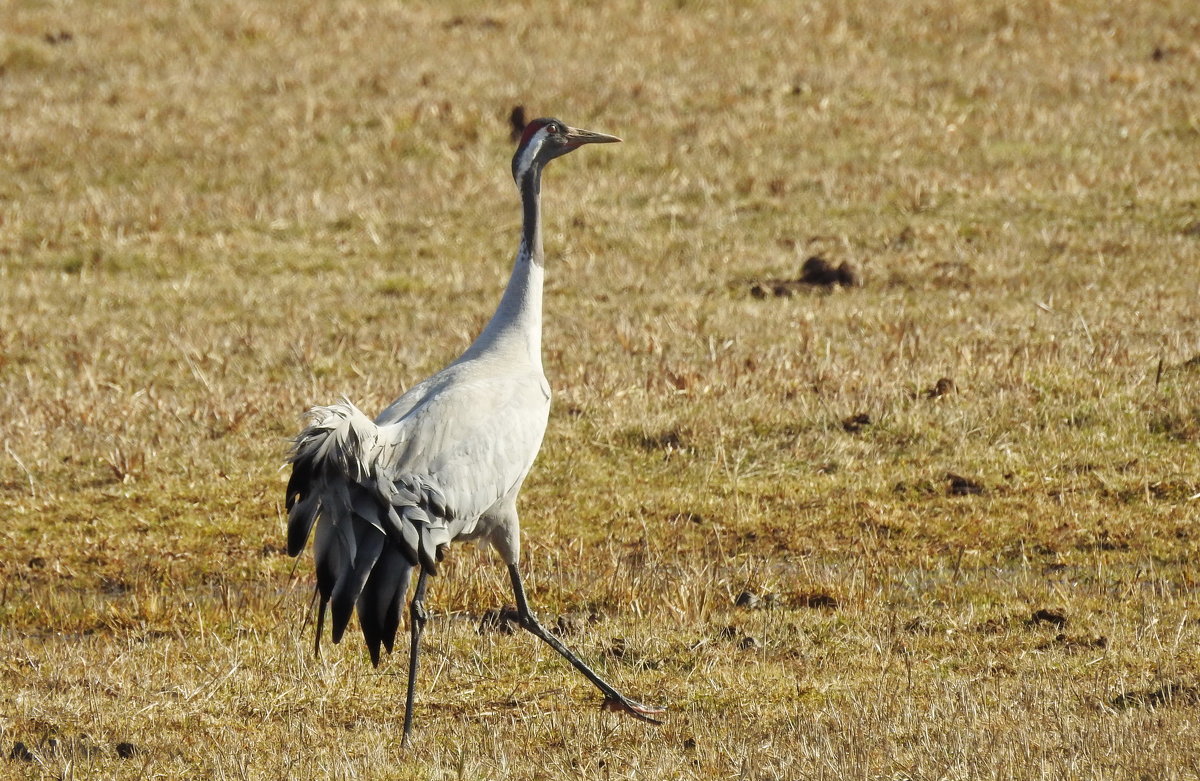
x: 361, y: 518
x: 475, y: 440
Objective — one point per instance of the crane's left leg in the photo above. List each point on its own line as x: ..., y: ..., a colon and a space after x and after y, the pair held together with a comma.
x: 416, y: 625
x: 613, y: 700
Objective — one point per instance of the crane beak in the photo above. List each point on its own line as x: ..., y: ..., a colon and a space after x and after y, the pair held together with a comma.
x: 577, y: 138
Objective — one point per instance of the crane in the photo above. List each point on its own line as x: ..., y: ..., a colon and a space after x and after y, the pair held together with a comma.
x: 443, y: 462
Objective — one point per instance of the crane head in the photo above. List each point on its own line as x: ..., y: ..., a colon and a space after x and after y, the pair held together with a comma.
x: 547, y: 138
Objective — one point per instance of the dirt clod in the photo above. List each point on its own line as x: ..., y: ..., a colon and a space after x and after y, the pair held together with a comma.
x: 856, y: 423
x: 943, y: 387
x: 963, y: 486
x: 1047, y: 616
x: 1167, y: 694
x: 20, y: 752
x: 499, y: 620
x: 516, y: 121
x: 748, y: 600
x: 816, y: 272
x: 816, y: 599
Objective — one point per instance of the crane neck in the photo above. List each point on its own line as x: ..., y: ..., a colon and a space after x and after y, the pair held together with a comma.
x: 515, y: 331
x: 531, y: 214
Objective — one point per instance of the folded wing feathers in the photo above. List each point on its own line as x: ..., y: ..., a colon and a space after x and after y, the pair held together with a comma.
x: 366, y: 521
x: 381, y: 600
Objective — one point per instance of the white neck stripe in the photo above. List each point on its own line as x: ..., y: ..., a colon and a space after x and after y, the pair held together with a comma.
x: 531, y: 151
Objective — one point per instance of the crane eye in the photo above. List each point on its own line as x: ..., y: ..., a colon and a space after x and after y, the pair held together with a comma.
x: 552, y: 129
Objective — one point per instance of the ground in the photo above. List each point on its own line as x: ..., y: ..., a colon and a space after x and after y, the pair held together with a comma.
x: 938, y: 524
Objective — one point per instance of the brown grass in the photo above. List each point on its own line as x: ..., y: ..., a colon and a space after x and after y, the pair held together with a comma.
x: 214, y: 215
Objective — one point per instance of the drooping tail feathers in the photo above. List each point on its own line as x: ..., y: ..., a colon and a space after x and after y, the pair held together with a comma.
x: 373, y: 526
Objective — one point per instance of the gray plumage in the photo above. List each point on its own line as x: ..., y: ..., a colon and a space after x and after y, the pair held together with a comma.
x: 443, y: 462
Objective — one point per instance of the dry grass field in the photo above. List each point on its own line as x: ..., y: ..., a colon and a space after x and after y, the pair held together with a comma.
x: 753, y: 505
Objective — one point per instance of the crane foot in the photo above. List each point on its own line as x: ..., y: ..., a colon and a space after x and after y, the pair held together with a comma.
x: 635, y: 709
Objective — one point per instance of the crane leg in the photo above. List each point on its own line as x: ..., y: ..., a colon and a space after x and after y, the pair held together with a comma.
x: 613, y: 700
x: 416, y: 625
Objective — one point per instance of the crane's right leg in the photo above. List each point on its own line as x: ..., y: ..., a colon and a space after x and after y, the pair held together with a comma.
x: 416, y: 625
x: 613, y: 700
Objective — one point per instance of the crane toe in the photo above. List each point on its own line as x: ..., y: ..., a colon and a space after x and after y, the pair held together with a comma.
x: 635, y: 709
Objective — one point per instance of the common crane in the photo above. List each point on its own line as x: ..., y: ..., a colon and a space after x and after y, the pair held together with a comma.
x: 443, y: 462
